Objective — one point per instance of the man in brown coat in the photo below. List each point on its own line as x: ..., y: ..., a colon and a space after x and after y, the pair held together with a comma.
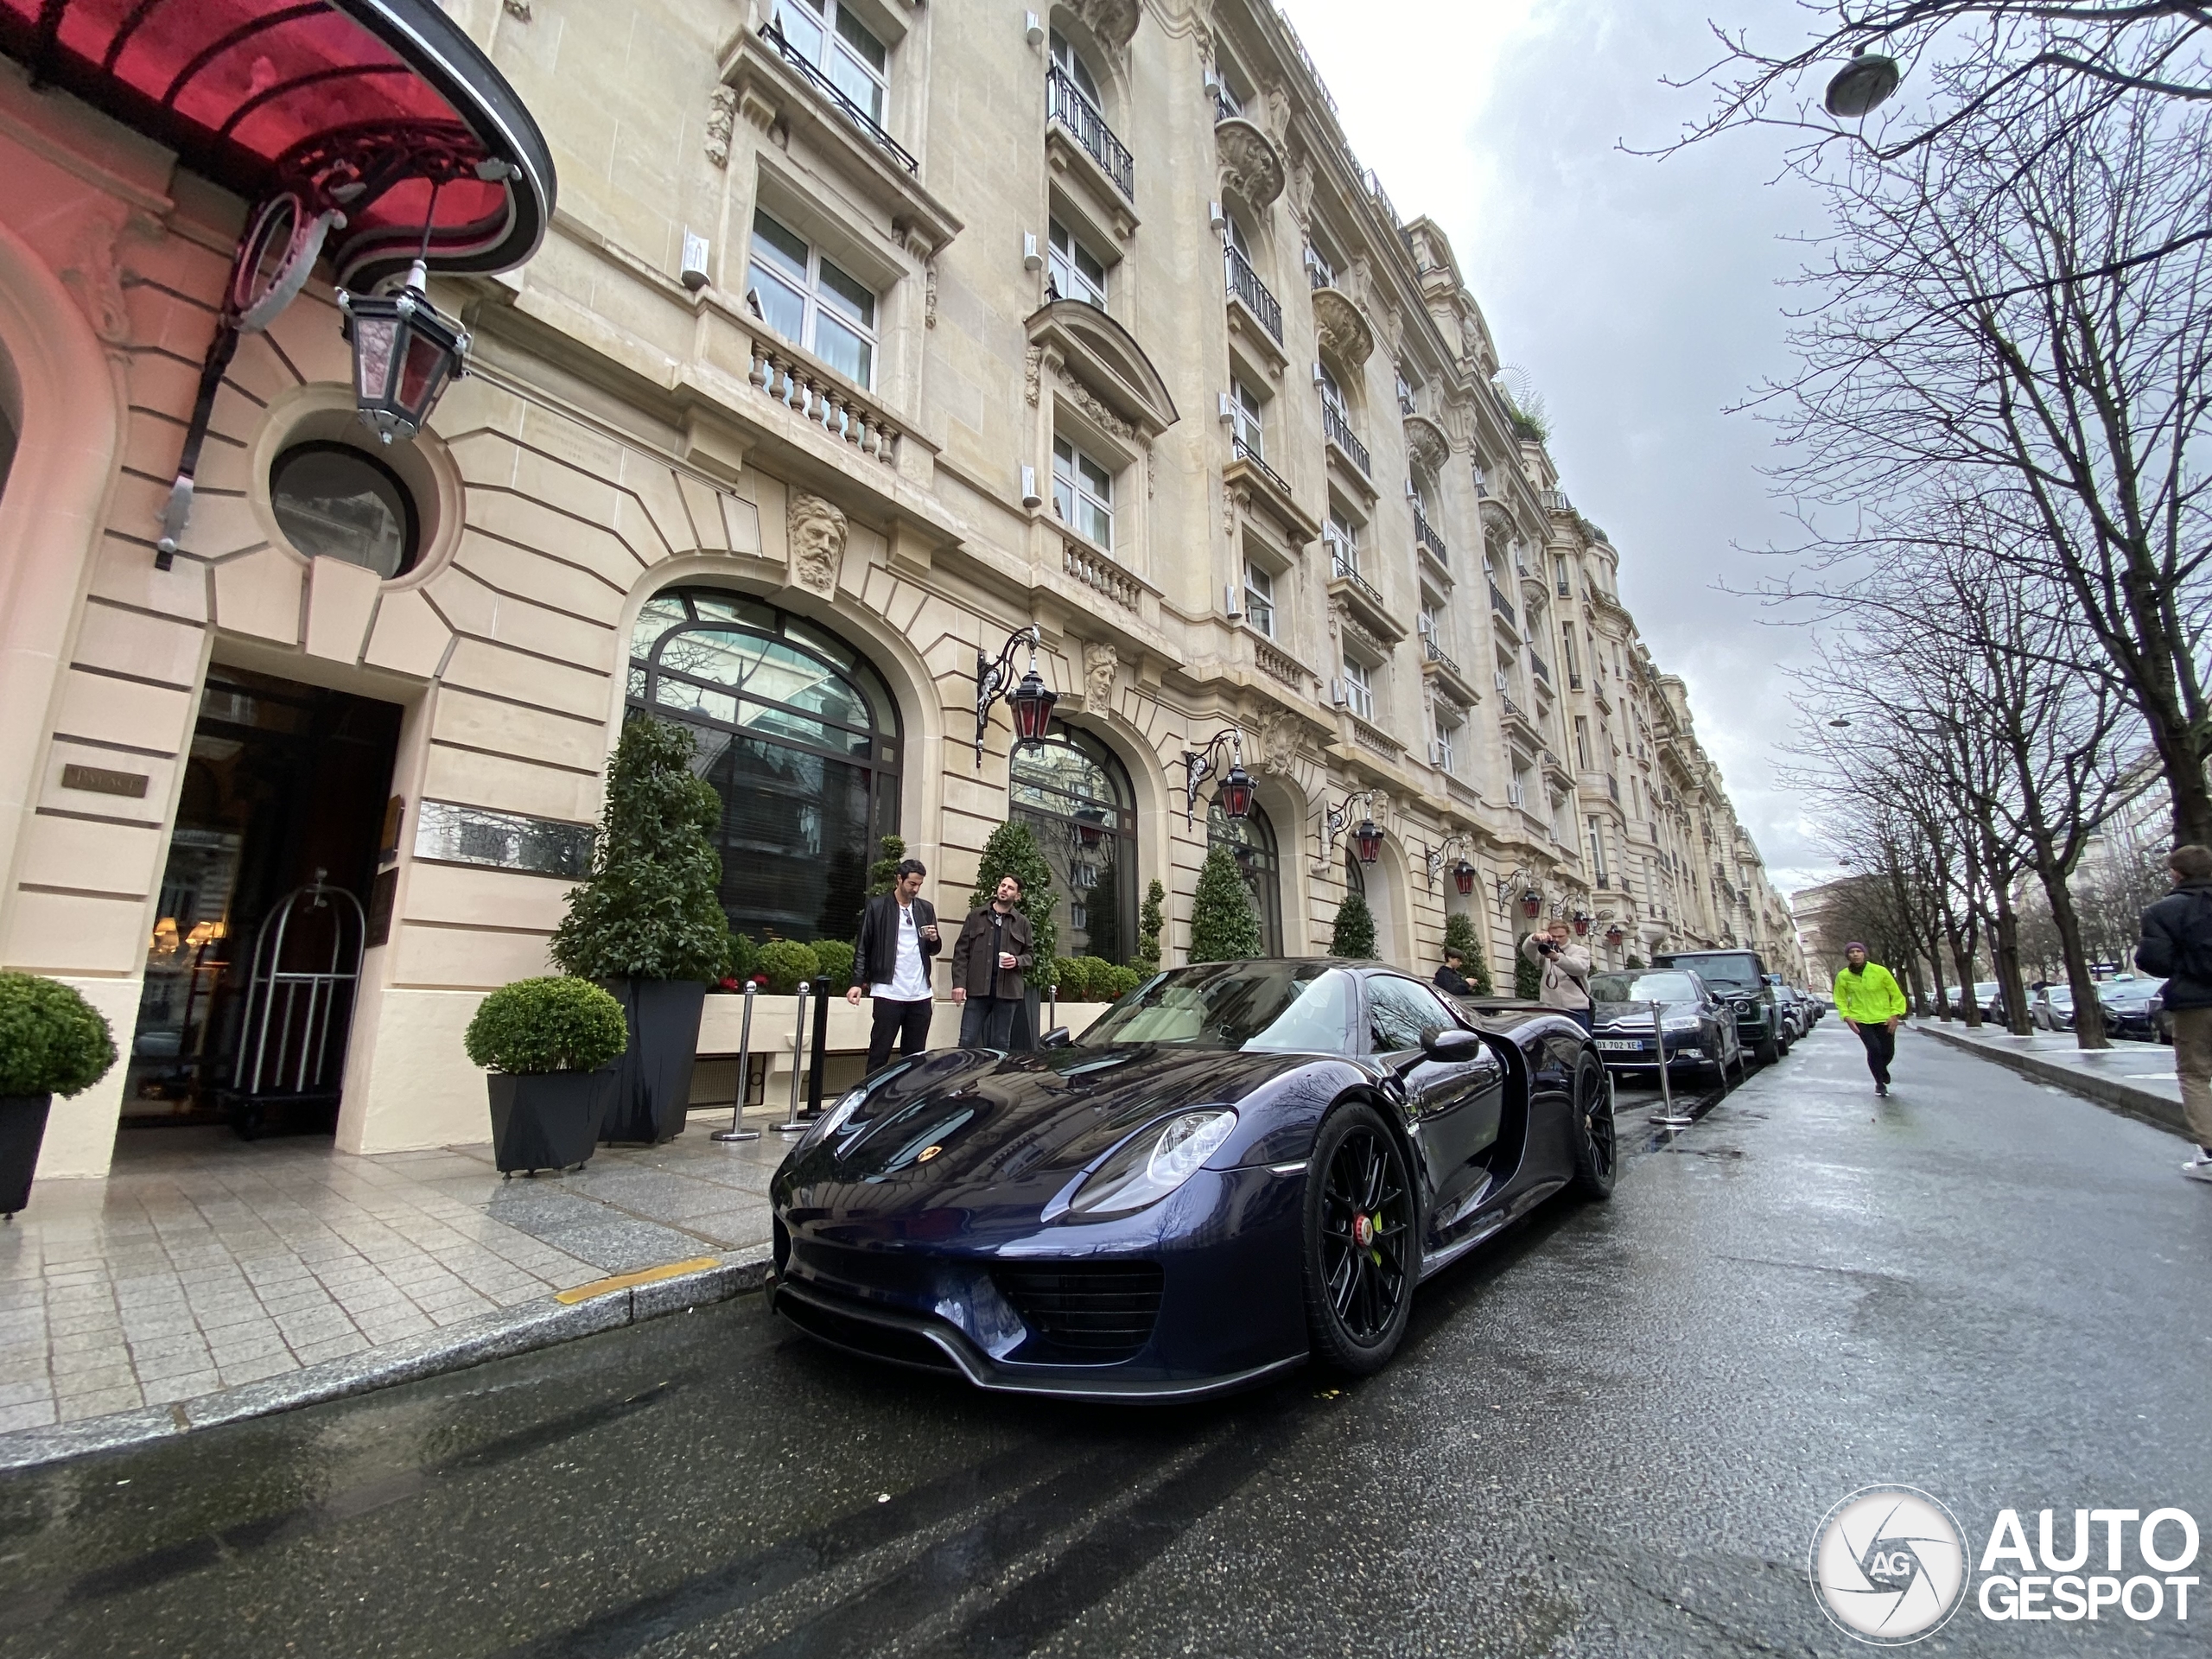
x: 988, y: 959
x: 1565, y: 967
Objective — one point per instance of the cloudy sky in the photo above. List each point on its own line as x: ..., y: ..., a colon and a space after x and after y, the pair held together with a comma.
x: 1639, y: 295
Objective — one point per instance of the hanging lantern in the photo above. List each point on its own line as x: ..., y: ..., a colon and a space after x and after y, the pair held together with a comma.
x: 1613, y: 934
x: 1581, y: 923
x: 1368, y: 840
x: 1235, y: 795
x: 1463, y: 877
x: 1032, y: 702
x: 405, y: 350
x: 1532, y: 904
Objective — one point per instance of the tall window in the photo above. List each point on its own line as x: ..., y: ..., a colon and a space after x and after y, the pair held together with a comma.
x: 799, y: 735
x: 1582, y: 742
x: 1075, y: 274
x: 1248, y: 412
x: 1259, y: 600
x: 1598, y: 850
x: 835, y: 41
x: 1320, y: 270
x: 1426, y: 623
x: 1083, y: 493
x: 1447, y: 741
x: 1072, y: 66
x: 1408, y: 403
x: 1343, y: 538
x: 1332, y: 394
x: 1562, y: 585
x: 1359, y: 689
x: 1253, y: 843
x: 1567, y: 649
x: 1482, y: 482
x: 1075, y: 796
x: 811, y: 302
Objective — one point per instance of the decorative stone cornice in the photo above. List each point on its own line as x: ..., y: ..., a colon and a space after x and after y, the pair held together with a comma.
x: 1425, y: 439
x: 1344, y: 329
x: 1251, y: 166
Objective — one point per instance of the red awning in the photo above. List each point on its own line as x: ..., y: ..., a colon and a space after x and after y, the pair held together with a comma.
x: 359, y: 104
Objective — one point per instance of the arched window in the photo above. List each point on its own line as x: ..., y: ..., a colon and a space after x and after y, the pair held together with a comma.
x: 1074, y: 796
x: 1253, y: 841
x: 799, y: 736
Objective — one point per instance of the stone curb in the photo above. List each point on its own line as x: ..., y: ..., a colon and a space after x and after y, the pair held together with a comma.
x: 2112, y: 1093
x: 499, y: 1334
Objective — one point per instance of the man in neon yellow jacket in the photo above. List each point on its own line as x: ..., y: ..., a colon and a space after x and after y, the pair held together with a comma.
x: 1868, y: 1000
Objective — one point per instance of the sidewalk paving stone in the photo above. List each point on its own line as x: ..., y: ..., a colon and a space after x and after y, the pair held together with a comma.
x: 207, y: 1279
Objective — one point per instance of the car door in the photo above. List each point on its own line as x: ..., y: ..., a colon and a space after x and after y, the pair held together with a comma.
x: 1454, y: 1107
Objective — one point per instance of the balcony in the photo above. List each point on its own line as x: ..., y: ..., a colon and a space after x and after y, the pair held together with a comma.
x: 1362, y: 601
x: 1245, y: 285
x: 1427, y: 535
x: 1066, y: 107
x: 1253, y: 459
x: 1541, y: 669
x: 824, y: 87
x: 1503, y: 606
x: 1554, y: 501
x: 1438, y: 666
x: 1338, y: 431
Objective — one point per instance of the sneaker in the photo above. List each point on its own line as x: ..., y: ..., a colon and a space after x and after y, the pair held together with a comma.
x: 2199, y: 1168
x: 1882, y: 1090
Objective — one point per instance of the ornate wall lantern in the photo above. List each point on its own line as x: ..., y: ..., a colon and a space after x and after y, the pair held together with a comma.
x: 1334, y: 818
x: 1581, y: 922
x: 405, y: 351
x: 1614, y: 935
x: 1463, y: 877
x: 1367, y: 841
x: 1031, y: 701
x: 1532, y: 903
x: 1463, y: 872
x: 1235, y: 791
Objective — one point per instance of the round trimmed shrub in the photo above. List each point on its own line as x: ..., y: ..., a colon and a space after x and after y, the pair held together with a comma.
x: 786, y: 963
x: 556, y: 1024
x: 52, y: 1041
x: 835, y: 957
x: 1115, y: 983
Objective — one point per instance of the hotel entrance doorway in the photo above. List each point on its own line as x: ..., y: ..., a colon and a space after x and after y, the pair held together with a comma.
x: 270, y: 869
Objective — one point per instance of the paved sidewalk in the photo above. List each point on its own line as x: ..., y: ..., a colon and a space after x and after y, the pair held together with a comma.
x: 2137, y: 1079
x: 206, y: 1275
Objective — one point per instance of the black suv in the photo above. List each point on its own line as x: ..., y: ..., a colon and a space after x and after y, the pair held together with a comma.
x: 1738, y: 978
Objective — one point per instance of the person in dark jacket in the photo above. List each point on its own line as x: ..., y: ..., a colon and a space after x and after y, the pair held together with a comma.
x: 988, y: 959
x: 890, y: 964
x: 2178, y: 946
x: 1450, y: 979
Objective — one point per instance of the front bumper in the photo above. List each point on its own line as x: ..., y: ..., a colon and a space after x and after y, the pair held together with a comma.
x: 1683, y: 1048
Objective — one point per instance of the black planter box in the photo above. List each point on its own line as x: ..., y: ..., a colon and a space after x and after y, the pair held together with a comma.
x: 22, y: 1127
x: 548, y: 1120
x: 654, y: 1091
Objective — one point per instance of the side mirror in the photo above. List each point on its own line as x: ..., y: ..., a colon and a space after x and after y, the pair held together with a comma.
x: 1453, y: 1045
x: 1058, y: 1036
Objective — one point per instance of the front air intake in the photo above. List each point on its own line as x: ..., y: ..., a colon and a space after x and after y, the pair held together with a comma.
x: 1082, y: 1313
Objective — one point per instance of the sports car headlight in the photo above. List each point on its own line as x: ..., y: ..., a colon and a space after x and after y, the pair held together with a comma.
x: 833, y: 1120
x: 1155, y: 1163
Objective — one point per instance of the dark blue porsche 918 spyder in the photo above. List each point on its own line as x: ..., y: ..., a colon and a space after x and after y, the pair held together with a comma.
x: 1239, y: 1166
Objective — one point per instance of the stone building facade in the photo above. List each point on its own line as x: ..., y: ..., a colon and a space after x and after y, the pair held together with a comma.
x: 866, y: 335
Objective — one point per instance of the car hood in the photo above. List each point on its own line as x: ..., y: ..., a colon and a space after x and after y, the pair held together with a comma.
x: 955, y: 1136
x: 1636, y: 1016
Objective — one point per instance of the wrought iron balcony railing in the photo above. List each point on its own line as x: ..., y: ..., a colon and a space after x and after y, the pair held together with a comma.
x: 1541, y: 669
x: 1245, y: 282
x: 1338, y: 431
x: 1428, y: 535
x: 1065, y: 104
x: 1257, y: 462
x: 1503, y: 605
x: 845, y: 107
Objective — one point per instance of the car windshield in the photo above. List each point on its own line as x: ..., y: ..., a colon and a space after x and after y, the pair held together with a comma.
x: 1642, y: 987
x: 1725, y: 973
x: 1299, y: 1007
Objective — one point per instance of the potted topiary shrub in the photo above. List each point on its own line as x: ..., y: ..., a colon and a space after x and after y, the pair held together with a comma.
x: 1353, y: 933
x: 1224, y: 926
x: 547, y: 1044
x: 788, y: 965
x: 648, y: 923
x: 52, y: 1042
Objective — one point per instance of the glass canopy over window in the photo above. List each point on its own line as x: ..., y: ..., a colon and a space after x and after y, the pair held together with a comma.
x: 799, y: 736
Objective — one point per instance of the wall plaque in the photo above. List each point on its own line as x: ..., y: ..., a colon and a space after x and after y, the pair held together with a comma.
x: 395, y: 810
x: 100, y: 781
x: 376, y: 924
x: 454, y: 833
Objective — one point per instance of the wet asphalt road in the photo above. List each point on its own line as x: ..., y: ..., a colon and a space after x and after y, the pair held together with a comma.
x: 1614, y: 1432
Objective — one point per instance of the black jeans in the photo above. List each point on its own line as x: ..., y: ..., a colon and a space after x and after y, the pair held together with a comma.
x: 909, y: 1022
x: 988, y: 1022
x: 1881, y: 1048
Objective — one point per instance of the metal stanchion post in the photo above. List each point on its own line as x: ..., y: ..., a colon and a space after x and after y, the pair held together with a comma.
x: 1667, y: 1114
x: 744, y: 1076
x: 797, y: 1125
x: 1052, y: 1007
x: 820, y: 1051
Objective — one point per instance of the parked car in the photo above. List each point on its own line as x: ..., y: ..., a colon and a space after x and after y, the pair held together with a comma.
x: 1239, y: 1166
x: 1984, y: 995
x: 2127, y: 1007
x: 1699, y: 1028
x: 1797, y: 1009
x: 1738, y: 977
x: 2160, y: 1018
x: 2052, y: 1008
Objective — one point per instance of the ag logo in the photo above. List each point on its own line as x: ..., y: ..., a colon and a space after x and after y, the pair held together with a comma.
x: 1889, y: 1565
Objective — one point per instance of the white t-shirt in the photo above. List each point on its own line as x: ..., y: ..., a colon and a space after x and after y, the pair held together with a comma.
x: 910, y: 981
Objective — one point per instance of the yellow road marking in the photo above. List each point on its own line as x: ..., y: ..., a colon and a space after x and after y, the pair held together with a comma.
x: 643, y: 1276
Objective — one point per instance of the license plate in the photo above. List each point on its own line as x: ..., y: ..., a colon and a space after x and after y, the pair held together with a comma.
x: 1615, y: 1046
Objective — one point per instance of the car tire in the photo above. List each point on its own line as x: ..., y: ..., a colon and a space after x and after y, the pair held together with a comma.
x: 1359, y: 1290
x: 1597, y: 1153
x: 1768, y: 1050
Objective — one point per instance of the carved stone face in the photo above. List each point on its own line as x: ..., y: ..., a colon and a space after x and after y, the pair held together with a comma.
x: 1099, y: 665
x: 817, y: 536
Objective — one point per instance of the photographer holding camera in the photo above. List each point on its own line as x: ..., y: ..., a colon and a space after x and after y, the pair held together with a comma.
x: 1566, y: 970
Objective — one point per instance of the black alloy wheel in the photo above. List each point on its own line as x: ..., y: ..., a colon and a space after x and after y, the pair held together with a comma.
x: 1597, y: 1153
x: 1362, y: 1252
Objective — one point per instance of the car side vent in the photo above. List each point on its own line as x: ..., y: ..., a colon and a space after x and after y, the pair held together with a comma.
x: 1081, y: 1313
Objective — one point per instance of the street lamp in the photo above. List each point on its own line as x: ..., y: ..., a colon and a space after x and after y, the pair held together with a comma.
x: 1368, y: 838
x: 1462, y: 873
x: 405, y: 351
x: 1031, y: 701
x: 1198, y: 764
x: 1861, y: 86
